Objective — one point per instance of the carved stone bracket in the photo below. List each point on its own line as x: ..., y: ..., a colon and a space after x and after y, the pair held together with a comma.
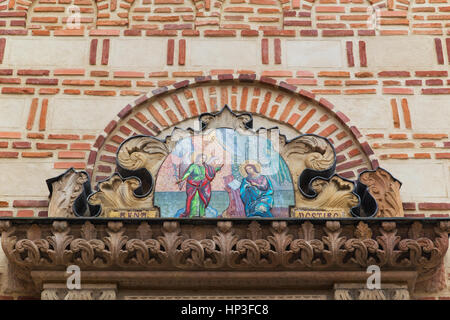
x: 319, y: 248
x: 56, y: 291
x: 358, y: 291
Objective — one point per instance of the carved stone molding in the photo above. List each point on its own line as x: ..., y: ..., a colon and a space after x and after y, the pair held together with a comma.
x: 359, y: 291
x: 55, y: 291
x: 248, y: 247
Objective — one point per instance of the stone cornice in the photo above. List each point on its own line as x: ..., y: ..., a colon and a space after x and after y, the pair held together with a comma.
x: 334, y: 248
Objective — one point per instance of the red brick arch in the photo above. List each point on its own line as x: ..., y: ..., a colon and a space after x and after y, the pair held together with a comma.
x: 276, y: 100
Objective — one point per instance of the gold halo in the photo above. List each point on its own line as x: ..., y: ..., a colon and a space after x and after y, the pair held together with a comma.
x: 247, y: 162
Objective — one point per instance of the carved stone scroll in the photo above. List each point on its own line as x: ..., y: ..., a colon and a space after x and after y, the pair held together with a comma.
x: 119, y: 193
x: 311, y: 160
x: 331, y: 194
x: 64, y: 189
x: 386, y: 191
x: 143, y: 152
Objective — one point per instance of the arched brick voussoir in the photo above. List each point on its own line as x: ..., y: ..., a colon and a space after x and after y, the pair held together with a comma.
x: 43, y: 16
x: 268, y: 98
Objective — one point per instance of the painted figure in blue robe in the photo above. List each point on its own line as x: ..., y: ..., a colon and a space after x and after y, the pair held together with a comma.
x: 256, y: 190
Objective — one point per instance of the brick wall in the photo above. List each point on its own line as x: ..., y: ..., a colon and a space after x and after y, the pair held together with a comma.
x: 373, y: 76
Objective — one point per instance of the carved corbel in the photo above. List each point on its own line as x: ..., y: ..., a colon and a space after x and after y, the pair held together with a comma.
x: 360, y: 291
x: 17, y: 277
x: 56, y: 291
x: 433, y: 275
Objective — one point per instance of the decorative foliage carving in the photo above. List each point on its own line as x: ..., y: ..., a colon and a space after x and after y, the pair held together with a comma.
x: 87, y: 292
x: 142, y: 152
x: 256, y: 246
x: 17, y: 280
x: 434, y: 279
x: 386, y: 191
x: 356, y: 291
x: 333, y: 193
x: 119, y: 193
x: 363, y: 231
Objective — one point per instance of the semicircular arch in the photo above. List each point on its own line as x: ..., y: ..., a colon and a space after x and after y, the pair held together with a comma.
x: 271, y: 102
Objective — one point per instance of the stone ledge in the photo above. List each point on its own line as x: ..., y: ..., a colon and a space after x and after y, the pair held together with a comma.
x: 358, y: 291
x: 223, y: 280
x: 215, y: 253
x: 58, y: 291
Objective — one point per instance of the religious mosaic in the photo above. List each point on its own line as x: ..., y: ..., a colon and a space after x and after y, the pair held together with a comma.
x: 224, y: 168
x: 224, y: 173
